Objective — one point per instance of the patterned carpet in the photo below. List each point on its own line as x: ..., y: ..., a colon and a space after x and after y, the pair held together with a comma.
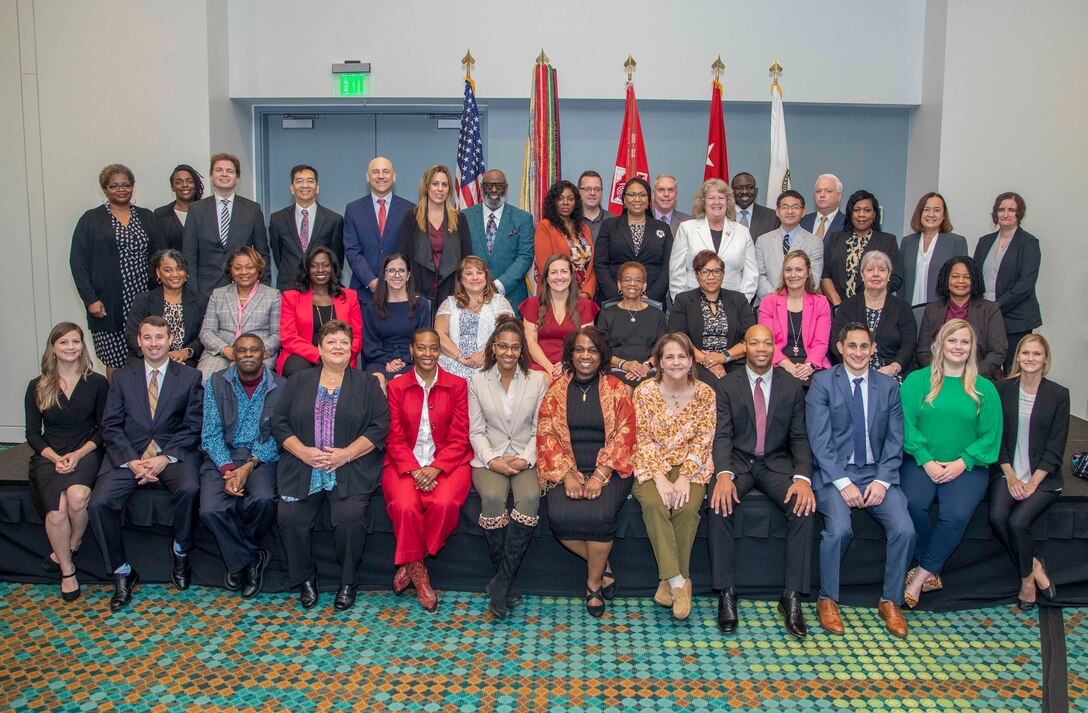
x: 204, y: 649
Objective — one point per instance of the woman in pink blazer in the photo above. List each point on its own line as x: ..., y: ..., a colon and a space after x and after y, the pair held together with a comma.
x: 800, y: 318
x: 315, y: 297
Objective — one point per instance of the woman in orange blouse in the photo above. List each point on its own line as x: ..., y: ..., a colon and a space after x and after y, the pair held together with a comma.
x: 675, y: 414
x: 562, y: 231
x: 586, y: 443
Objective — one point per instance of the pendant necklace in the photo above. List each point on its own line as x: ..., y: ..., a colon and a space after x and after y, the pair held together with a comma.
x: 584, y: 391
x: 796, y: 349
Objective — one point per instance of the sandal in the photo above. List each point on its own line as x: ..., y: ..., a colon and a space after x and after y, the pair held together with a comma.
x: 610, y: 591
x: 72, y: 595
x: 933, y: 584
x: 595, y: 610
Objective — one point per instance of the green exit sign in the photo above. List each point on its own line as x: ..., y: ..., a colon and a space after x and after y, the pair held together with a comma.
x: 352, y: 85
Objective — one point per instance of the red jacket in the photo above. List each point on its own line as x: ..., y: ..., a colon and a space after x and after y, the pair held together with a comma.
x: 448, y: 404
x: 297, y: 324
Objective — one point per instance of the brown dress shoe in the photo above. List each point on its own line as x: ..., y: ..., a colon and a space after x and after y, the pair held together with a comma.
x: 663, y: 595
x: 681, y: 601
x: 830, y: 620
x: 401, y: 580
x: 893, y: 618
x: 422, y: 581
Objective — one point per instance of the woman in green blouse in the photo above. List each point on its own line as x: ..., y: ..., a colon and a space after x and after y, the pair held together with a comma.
x: 952, y: 432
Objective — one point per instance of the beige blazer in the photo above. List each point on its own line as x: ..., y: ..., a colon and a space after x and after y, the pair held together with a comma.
x: 491, y: 433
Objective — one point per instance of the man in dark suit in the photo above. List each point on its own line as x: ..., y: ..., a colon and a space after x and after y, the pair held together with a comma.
x: 372, y: 227
x: 502, y: 236
x: 151, y: 428
x: 219, y: 224
x: 761, y: 442
x: 591, y: 188
x: 751, y: 215
x: 665, y: 194
x: 855, y: 426
x: 294, y: 229
x: 827, y: 218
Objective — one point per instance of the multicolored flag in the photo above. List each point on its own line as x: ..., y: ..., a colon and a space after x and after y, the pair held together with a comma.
x: 541, y: 167
x: 717, y: 158
x: 778, y: 179
x: 631, y: 157
x: 470, y: 151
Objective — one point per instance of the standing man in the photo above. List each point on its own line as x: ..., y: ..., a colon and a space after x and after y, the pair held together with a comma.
x: 591, y: 187
x: 238, y: 474
x: 372, y: 227
x: 665, y: 191
x: 761, y: 442
x: 855, y: 426
x: 502, y: 236
x: 772, y: 247
x: 151, y: 429
x: 756, y: 218
x: 294, y: 229
x: 827, y: 218
x: 219, y: 224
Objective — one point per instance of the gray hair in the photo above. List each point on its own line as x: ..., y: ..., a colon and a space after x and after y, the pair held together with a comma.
x: 666, y: 175
x: 169, y: 254
x: 875, y: 256
x: 833, y: 177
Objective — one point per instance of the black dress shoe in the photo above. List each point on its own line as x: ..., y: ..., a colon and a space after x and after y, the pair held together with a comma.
x: 253, y: 575
x: 123, y: 585
x: 345, y: 597
x: 307, y: 593
x: 179, y: 573
x: 595, y: 610
x: 727, y: 611
x: 789, y: 606
x: 1050, y: 593
x: 613, y: 589
x: 234, y: 580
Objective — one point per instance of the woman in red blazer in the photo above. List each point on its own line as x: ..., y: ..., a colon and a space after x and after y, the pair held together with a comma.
x: 426, y: 476
x: 799, y: 317
x: 314, y: 298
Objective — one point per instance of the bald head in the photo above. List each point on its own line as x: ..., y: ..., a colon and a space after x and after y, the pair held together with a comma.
x: 494, y: 188
x: 759, y: 348
x: 381, y: 176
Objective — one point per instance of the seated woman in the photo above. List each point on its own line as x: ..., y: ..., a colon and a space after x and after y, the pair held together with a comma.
x: 799, y: 317
x: 503, y: 401
x: 554, y: 313
x: 586, y: 445
x: 176, y: 302
x: 391, y: 318
x: 634, y: 235
x: 890, y: 319
x: 563, y: 232
x: 951, y: 434
x: 675, y: 416
x: 959, y: 286
x: 1036, y: 426
x: 714, y: 319
x: 331, y: 423
x: 64, y: 407
x: 426, y: 475
x: 245, y: 305
x: 314, y: 298
x: 632, y: 326
x: 465, y: 321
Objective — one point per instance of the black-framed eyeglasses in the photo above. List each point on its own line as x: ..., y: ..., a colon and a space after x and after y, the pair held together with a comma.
x: 394, y: 271
x: 711, y: 272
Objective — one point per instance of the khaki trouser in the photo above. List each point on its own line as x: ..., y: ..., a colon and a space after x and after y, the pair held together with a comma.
x: 671, y: 532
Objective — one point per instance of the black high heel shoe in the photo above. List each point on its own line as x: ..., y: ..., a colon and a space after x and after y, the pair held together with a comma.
x: 1050, y: 593
x: 74, y: 594
x: 51, y: 567
x: 595, y: 610
x: 609, y: 592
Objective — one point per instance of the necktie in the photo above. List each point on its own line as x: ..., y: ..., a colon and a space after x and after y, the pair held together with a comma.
x: 224, y: 220
x: 381, y: 216
x: 490, y: 233
x: 823, y: 227
x: 859, y: 423
x: 744, y: 218
x: 152, y: 449
x: 761, y: 416
x: 304, y: 231
x: 785, y: 243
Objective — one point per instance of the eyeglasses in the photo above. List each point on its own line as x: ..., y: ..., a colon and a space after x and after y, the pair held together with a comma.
x: 512, y: 348
x: 119, y: 186
x: 590, y: 189
x: 394, y: 271
x: 636, y: 196
x: 711, y: 272
x: 489, y: 186
x: 632, y: 280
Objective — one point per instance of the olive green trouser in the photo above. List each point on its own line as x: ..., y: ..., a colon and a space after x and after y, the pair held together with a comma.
x: 671, y: 532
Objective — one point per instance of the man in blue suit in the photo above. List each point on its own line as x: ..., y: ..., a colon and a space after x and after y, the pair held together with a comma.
x: 371, y: 227
x: 502, y: 236
x: 827, y: 218
x: 855, y: 426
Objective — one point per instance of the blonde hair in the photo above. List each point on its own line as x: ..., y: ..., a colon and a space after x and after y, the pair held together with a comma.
x: 810, y: 284
x: 421, y: 205
x: 937, y: 367
x: 1015, y: 372
x: 698, y: 204
x: 47, y: 393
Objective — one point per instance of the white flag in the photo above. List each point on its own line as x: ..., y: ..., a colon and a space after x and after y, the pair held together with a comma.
x: 779, y: 178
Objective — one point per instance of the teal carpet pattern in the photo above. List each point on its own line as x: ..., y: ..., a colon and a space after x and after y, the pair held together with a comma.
x: 208, y: 650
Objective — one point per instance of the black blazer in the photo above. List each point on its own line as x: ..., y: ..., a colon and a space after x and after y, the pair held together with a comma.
x: 835, y: 259
x: 171, y: 226
x: 1016, y: 279
x: 1048, y: 428
x: 96, y: 266
x: 786, y: 447
x: 985, y: 317
x: 326, y: 228
x: 203, y: 251
x: 687, y: 315
x: 614, y: 246
x: 153, y: 303
x: 896, y: 332
x: 416, y: 245
x: 361, y: 410
x: 127, y: 426
x: 763, y: 220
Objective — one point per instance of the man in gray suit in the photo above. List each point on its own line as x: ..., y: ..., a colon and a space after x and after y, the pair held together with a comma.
x: 772, y: 247
x: 219, y: 224
x: 591, y: 189
x: 665, y: 191
x: 756, y: 218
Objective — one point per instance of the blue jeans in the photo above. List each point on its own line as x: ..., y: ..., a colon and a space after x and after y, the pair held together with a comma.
x: 959, y: 499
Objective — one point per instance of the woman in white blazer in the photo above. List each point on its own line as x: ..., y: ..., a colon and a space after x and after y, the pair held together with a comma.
x: 713, y: 228
x: 503, y: 401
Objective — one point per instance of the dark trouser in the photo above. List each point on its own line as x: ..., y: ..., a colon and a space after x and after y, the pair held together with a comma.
x: 958, y: 498
x: 294, y: 364
x: 296, y: 520
x: 1013, y: 338
x: 238, y: 523
x: 799, y: 530
x: 1011, y: 520
x: 113, y: 489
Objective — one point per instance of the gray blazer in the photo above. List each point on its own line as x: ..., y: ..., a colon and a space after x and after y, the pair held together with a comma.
x: 203, y: 251
x: 493, y: 434
x: 262, y: 317
x: 948, y: 245
x: 678, y: 217
x: 769, y: 257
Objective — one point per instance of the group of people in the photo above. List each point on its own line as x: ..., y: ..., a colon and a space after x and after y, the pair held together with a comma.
x: 638, y: 365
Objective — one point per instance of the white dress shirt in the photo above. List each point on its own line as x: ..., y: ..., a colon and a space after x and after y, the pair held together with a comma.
x: 921, y: 270
x: 765, y: 387
x: 424, y: 447
x: 842, y: 482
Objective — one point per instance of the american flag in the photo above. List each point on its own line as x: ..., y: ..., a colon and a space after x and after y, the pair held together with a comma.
x: 470, y: 152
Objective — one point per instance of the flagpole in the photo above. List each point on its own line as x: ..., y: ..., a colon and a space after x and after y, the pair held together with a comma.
x: 467, y: 61
x: 778, y: 178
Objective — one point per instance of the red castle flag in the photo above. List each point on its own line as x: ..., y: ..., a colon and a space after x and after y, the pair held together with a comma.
x: 631, y: 158
x: 717, y: 158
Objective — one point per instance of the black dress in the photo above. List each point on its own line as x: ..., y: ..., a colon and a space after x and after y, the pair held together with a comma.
x: 64, y: 427
x: 633, y: 334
